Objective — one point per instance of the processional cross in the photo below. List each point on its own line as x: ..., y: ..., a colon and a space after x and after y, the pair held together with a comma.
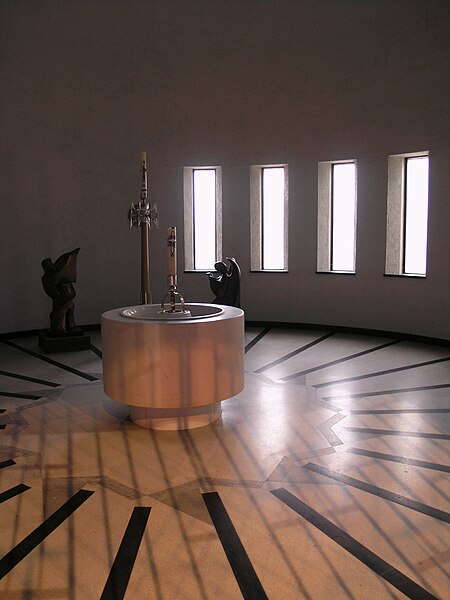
x: 143, y: 216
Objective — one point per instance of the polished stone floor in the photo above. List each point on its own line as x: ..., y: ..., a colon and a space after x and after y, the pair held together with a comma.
x: 327, y: 477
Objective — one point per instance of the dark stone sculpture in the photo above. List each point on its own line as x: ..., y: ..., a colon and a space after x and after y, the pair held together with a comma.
x: 58, y: 280
x: 225, y: 283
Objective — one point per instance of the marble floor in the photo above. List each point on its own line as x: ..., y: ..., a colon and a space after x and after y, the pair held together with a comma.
x: 327, y: 477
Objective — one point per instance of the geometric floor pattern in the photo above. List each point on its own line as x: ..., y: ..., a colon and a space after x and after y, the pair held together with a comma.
x: 327, y: 477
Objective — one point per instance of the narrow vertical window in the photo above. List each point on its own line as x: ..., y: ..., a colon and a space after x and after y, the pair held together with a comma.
x: 268, y: 218
x: 202, y: 217
x: 407, y: 214
x: 204, y: 196
x: 343, y: 217
x: 273, y: 218
x: 336, y: 216
x: 416, y: 215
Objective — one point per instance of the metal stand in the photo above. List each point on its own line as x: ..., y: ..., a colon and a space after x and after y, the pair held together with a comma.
x: 172, y: 294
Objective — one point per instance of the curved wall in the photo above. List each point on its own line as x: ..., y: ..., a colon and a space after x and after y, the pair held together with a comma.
x: 87, y: 86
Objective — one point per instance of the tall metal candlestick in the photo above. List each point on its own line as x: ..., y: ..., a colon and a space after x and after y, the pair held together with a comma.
x: 172, y: 256
x: 173, y: 293
x: 141, y: 215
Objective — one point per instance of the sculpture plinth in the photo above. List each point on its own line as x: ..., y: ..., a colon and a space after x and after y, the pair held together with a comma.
x: 74, y: 341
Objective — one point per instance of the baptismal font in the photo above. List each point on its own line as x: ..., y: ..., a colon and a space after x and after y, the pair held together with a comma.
x: 172, y: 363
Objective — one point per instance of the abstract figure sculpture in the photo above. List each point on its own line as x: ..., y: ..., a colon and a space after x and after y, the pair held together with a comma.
x: 225, y: 283
x: 58, y: 280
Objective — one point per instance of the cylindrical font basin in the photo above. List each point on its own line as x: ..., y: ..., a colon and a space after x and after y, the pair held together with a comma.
x: 173, y: 373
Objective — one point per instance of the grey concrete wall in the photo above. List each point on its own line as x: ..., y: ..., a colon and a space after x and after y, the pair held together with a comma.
x: 86, y: 86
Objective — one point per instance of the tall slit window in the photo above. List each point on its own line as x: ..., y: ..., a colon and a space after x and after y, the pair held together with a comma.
x: 343, y: 213
x: 204, y: 201
x: 416, y: 215
x: 273, y: 218
x: 268, y: 206
x: 336, y: 219
x: 407, y: 214
x: 202, y: 217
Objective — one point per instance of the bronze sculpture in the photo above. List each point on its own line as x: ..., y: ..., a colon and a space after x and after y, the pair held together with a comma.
x: 58, y: 280
x: 225, y: 283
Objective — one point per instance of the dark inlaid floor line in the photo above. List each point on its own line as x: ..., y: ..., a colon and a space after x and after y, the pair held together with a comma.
x: 32, y: 379
x: 286, y: 357
x: 339, y: 360
x: 380, y: 492
x: 2, y: 410
x: 256, y: 339
x: 16, y: 395
x: 96, y: 351
x: 418, y: 434
x: 7, y: 463
x: 120, y: 573
x: 379, y: 373
x: 379, y: 566
x: 31, y: 541
x: 401, y: 411
x: 400, y: 459
x: 50, y: 360
x: 14, y: 491
x: 423, y: 388
x: 243, y: 570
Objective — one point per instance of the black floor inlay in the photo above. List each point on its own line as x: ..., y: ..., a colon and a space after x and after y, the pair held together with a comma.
x: 423, y: 388
x: 7, y: 463
x: 50, y: 361
x: 400, y: 459
x: 120, y: 573
x: 389, y: 573
x: 14, y: 491
x: 381, y: 493
x: 243, y: 570
x: 379, y: 373
x: 419, y: 434
x: 401, y: 411
x: 15, y: 395
x: 286, y: 357
x: 29, y: 543
x: 256, y: 339
x: 96, y: 351
x: 338, y: 361
x: 32, y: 379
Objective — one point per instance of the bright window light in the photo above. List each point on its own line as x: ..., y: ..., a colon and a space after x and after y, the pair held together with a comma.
x: 416, y: 215
x: 204, y: 202
x: 343, y: 217
x: 273, y: 218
